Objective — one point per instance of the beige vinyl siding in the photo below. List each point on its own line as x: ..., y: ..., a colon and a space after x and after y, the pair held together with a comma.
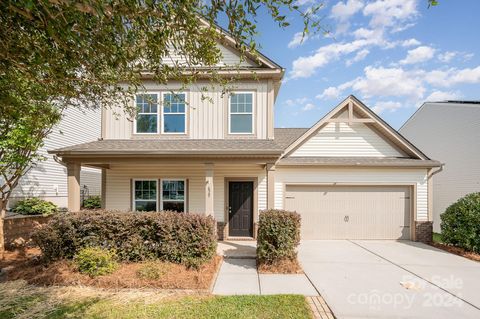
x: 449, y: 133
x: 207, y: 112
x: 118, y: 181
x: 48, y: 179
x: 341, y: 139
x: 229, y: 58
x: 370, y: 176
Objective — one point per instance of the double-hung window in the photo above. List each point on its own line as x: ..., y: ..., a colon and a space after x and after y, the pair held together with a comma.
x: 241, y: 113
x: 174, y: 118
x: 147, y: 114
x: 145, y: 195
x: 173, y: 195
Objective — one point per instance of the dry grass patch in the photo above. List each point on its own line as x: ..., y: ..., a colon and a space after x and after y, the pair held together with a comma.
x: 151, y: 274
x: 284, y: 266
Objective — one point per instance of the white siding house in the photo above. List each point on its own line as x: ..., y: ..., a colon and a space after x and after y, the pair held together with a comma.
x: 48, y: 179
x: 450, y: 133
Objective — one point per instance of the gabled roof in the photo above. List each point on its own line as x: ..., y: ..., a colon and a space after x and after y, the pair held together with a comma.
x: 352, y: 104
x: 252, y: 54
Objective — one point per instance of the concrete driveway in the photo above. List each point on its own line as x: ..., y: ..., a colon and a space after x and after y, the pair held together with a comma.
x: 391, y: 279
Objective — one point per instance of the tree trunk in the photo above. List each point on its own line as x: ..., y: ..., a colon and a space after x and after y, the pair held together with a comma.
x: 3, y: 210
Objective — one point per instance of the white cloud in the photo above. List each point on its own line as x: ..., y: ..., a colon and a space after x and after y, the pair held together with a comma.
x: 453, y: 76
x: 382, y: 106
x: 358, y: 57
x: 304, y: 67
x: 386, y: 13
x: 333, y: 92
x: 417, y: 55
x: 297, y: 101
x: 410, y: 43
x: 344, y: 10
x: 298, y: 39
x: 330, y: 93
x: 437, y: 96
x: 447, y: 56
x: 308, y: 107
x: 382, y: 82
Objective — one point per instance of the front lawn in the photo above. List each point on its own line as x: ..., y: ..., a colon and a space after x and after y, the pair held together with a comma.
x: 20, y: 300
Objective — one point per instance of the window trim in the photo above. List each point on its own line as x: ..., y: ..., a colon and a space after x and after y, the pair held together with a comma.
x: 133, y: 192
x: 157, y: 114
x: 246, y: 113
x: 185, y: 198
x: 162, y: 114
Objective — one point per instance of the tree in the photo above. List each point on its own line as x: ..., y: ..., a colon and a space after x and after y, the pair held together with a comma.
x: 56, y: 54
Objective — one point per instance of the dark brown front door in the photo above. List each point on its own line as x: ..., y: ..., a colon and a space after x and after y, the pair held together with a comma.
x: 240, y: 209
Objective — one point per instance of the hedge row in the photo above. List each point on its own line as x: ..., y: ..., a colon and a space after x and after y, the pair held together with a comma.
x: 188, y: 239
x: 461, y: 223
x: 278, y: 236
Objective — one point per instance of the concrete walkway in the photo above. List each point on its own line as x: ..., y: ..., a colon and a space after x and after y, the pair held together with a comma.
x: 239, y: 276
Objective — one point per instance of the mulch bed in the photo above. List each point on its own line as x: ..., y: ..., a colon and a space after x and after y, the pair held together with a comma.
x: 457, y: 251
x: 29, y: 267
x: 286, y: 266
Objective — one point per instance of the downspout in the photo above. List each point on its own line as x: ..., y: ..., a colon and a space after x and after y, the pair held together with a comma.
x: 430, y: 174
x: 59, y: 161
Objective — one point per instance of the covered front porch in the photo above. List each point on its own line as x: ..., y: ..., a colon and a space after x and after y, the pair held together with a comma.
x: 231, y: 189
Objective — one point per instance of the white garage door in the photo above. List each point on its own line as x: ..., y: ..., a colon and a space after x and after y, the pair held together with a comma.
x: 351, y: 212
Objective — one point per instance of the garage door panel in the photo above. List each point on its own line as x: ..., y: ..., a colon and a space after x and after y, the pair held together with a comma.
x: 351, y: 212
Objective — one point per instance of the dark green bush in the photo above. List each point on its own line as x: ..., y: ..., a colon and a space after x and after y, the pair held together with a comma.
x: 35, y: 206
x: 95, y: 261
x: 187, y: 239
x: 278, y: 236
x: 461, y: 223
x: 92, y: 202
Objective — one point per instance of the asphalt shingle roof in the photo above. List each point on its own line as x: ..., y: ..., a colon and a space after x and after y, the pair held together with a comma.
x: 283, y: 138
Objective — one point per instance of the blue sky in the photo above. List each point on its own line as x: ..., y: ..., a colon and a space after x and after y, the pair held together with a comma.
x: 393, y: 55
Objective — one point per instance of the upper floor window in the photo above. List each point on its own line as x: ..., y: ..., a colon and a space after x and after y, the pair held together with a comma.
x: 147, y: 114
x: 241, y: 113
x: 174, y: 119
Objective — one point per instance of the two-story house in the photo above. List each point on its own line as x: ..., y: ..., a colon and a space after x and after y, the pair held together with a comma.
x: 349, y: 176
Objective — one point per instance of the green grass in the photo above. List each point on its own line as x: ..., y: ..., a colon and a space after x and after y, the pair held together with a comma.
x: 437, y: 238
x: 31, y: 302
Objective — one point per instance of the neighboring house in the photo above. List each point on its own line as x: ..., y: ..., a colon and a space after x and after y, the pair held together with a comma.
x: 450, y: 132
x: 349, y: 176
x: 48, y: 179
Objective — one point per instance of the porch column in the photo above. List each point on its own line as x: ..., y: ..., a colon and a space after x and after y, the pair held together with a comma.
x: 73, y: 186
x: 209, y: 189
x: 270, y: 167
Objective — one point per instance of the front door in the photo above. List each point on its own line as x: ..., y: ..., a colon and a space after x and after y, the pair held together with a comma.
x: 240, y: 209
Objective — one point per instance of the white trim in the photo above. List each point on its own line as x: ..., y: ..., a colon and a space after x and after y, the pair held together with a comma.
x: 240, y: 113
x: 378, y: 121
x: 146, y: 200
x: 158, y: 114
x: 185, y: 191
x: 162, y: 114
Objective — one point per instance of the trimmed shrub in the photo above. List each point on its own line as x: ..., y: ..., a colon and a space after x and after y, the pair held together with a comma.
x: 461, y: 223
x: 187, y: 239
x: 278, y: 236
x: 35, y: 206
x: 92, y: 202
x: 95, y: 261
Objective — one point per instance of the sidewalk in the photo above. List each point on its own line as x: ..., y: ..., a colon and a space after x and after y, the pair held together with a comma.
x: 239, y: 276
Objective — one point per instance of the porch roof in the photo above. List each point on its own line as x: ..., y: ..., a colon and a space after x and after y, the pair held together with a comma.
x: 172, y: 147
